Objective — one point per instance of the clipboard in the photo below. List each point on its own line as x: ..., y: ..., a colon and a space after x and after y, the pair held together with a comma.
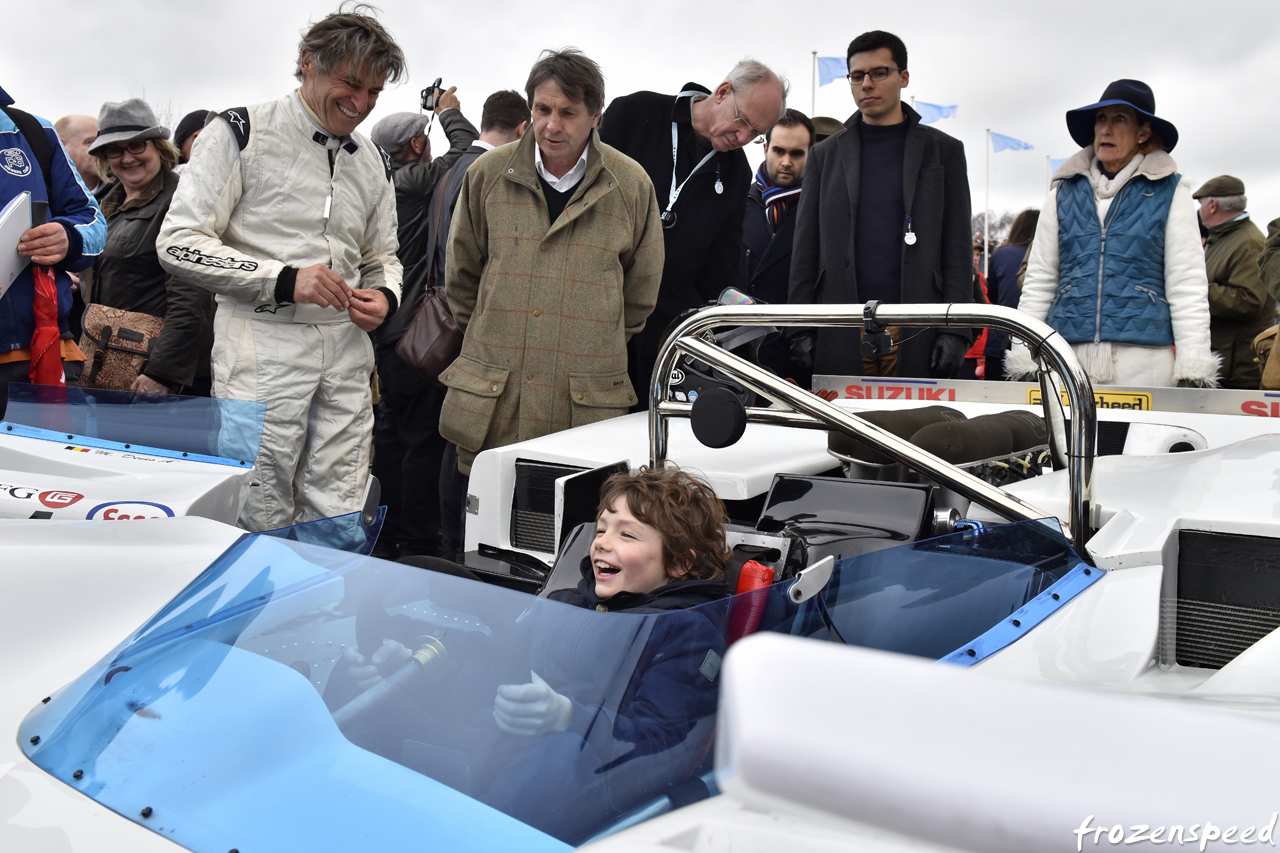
x: 15, y: 220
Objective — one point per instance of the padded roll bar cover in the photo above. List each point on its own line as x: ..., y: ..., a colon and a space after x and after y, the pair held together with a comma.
x: 1028, y: 428
x: 983, y: 437
x: 903, y: 423
x: 718, y: 418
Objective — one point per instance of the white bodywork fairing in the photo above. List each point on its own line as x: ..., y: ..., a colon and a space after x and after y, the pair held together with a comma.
x: 72, y: 591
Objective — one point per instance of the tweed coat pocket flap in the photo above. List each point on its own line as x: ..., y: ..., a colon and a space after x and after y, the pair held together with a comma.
x: 611, y: 391
x: 475, y: 377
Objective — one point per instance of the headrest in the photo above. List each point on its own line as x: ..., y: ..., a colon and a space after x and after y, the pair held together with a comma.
x: 903, y: 423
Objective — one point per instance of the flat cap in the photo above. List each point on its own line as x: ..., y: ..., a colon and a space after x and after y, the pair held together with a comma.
x: 1223, y: 185
x: 394, y: 132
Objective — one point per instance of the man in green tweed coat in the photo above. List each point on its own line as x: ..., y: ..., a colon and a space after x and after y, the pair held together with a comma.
x: 554, y: 261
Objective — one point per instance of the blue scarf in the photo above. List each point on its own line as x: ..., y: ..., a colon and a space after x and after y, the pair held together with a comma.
x: 776, y: 199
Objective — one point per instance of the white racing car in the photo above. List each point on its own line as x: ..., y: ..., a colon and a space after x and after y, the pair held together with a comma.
x: 73, y: 453
x: 230, y: 719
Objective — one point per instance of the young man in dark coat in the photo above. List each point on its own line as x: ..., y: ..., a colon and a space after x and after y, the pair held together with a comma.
x: 769, y: 223
x: 864, y: 233
x: 708, y: 174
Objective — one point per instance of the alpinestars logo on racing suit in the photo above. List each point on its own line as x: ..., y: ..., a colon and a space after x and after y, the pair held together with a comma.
x: 15, y: 162
x: 195, y: 256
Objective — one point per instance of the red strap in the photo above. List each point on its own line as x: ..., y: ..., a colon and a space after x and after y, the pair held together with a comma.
x: 46, y: 343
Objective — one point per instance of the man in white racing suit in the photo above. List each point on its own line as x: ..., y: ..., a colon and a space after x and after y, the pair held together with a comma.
x: 289, y: 217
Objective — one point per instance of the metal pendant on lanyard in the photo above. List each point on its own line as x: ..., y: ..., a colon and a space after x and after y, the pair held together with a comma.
x: 669, y: 215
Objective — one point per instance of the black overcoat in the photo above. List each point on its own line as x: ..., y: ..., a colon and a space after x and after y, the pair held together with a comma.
x: 766, y: 268
x: 702, y: 247
x: 938, y: 267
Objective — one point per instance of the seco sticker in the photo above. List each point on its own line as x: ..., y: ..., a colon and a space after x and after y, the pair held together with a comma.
x: 129, y: 511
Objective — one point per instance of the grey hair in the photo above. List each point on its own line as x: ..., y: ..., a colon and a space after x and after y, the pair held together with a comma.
x: 750, y: 72
x: 352, y: 35
x: 1232, y: 202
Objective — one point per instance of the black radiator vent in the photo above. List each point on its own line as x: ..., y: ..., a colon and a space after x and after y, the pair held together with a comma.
x: 533, y: 506
x: 1111, y: 437
x: 1228, y: 595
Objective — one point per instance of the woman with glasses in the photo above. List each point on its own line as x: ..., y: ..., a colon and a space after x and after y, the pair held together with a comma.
x: 1116, y: 266
x: 133, y: 147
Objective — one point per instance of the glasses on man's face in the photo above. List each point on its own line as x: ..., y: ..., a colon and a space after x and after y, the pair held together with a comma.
x: 876, y: 74
x: 115, y: 152
x: 756, y: 135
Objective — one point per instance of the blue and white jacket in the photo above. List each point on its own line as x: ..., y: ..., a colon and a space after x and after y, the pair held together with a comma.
x: 1154, y: 291
x: 72, y: 206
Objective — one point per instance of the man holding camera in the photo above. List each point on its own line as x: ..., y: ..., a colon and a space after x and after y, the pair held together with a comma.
x: 406, y: 444
x: 289, y: 217
x: 413, y: 170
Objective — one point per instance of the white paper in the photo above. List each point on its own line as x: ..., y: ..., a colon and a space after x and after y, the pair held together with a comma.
x: 15, y: 220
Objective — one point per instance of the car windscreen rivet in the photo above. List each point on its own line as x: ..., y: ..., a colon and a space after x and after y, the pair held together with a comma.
x: 127, y: 446
x: 146, y: 812
x: 234, y: 850
x: 45, y: 700
x: 1088, y: 571
x: 35, y: 739
x: 77, y: 774
x: 1057, y: 597
x: 1017, y: 624
x: 9, y: 428
x: 972, y: 653
x: 184, y: 454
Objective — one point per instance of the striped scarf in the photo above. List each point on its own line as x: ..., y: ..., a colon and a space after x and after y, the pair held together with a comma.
x: 776, y: 199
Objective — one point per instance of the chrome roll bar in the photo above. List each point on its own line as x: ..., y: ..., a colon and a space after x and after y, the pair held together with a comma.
x: 807, y: 410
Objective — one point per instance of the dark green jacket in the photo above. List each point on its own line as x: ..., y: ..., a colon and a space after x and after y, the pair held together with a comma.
x: 1239, y: 304
x: 1269, y: 260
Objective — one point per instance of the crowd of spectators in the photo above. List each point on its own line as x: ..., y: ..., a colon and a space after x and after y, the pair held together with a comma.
x: 284, y: 255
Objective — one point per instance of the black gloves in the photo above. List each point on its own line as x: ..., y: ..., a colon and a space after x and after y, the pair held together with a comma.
x: 801, y: 344
x: 948, y: 356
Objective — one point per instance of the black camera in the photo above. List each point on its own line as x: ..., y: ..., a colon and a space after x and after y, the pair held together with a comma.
x: 429, y: 95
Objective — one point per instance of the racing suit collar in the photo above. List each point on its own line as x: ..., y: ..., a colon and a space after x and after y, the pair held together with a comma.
x: 321, y: 136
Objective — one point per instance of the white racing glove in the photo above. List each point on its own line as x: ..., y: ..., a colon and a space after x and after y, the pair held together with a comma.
x: 531, y: 709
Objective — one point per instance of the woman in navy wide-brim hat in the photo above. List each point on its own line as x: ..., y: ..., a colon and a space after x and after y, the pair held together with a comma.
x: 1116, y: 266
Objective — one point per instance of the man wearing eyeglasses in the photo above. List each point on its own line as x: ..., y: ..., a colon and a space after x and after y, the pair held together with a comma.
x: 690, y: 146
x: 884, y: 216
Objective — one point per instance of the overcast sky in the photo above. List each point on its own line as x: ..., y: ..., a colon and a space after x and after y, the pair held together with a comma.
x: 1013, y: 67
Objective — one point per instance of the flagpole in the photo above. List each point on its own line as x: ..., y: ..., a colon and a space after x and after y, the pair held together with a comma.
x: 986, y: 213
x: 813, y: 87
x: 1048, y: 172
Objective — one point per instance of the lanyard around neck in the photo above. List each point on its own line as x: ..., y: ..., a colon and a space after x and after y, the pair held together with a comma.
x: 675, y: 151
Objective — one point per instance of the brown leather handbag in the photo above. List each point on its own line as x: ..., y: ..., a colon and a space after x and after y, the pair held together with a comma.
x: 117, y: 345
x: 432, y: 340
